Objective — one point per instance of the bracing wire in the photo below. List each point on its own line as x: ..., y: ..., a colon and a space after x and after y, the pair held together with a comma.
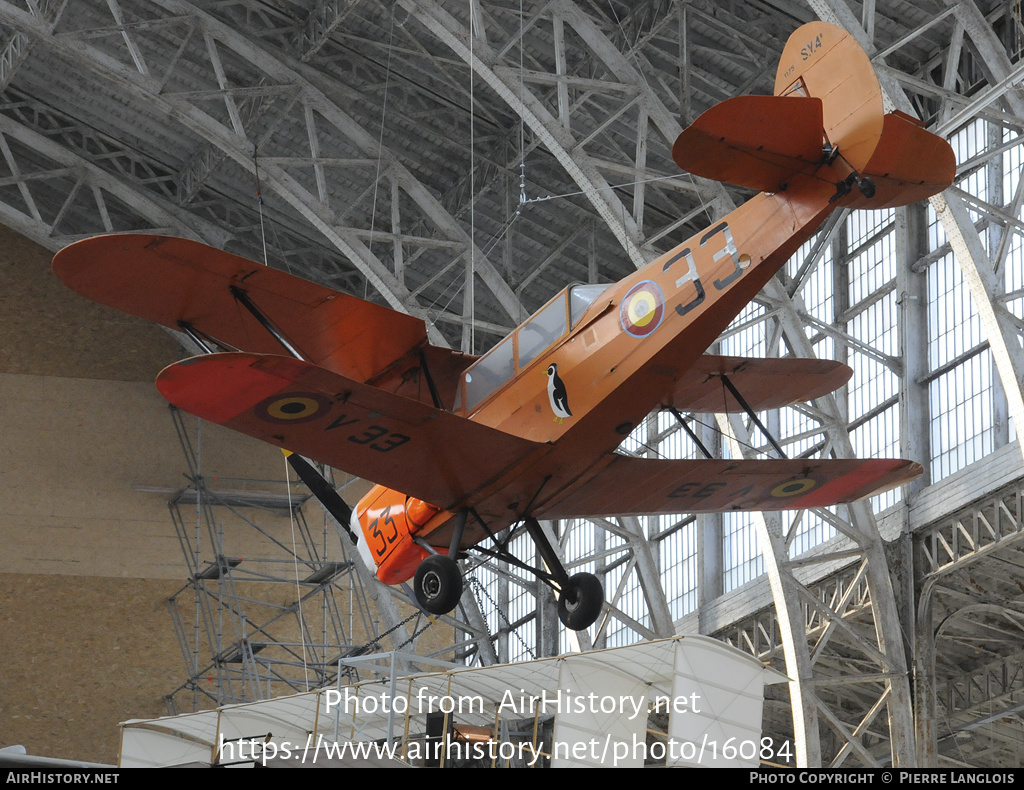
x: 380, y: 135
x: 259, y: 202
x: 471, y: 279
x: 522, y: 114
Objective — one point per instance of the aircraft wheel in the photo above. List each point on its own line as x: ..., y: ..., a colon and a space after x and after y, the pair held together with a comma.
x: 581, y: 602
x: 438, y: 584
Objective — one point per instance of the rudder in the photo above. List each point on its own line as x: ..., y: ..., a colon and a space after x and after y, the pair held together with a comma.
x: 826, y: 62
x: 903, y: 162
x: 826, y: 120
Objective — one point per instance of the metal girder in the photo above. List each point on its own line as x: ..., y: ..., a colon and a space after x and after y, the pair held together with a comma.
x: 649, y: 578
x: 551, y: 130
x: 232, y: 138
x: 864, y: 531
x: 83, y: 177
x: 487, y: 654
x: 987, y: 527
x: 882, y: 665
x: 971, y: 563
x: 963, y: 237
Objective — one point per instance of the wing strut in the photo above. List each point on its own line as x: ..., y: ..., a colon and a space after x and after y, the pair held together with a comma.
x: 196, y: 338
x: 750, y: 412
x: 690, y: 432
x: 434, y: 396
x: 243, y: 298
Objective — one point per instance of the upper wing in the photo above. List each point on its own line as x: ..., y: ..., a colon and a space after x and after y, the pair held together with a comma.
x: 753, y: 141
x: 651, y: 485
x: 170, y: 281
x: 764, y: 383
x: 403, y: 444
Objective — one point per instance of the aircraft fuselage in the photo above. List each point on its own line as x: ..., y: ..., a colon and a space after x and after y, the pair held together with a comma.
x: 619, y: 360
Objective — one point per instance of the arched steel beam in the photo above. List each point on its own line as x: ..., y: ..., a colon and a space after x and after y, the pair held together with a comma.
x: 979, y: 273
x: 162, y: 216
x: 230, y: 137
x: 552, y: 132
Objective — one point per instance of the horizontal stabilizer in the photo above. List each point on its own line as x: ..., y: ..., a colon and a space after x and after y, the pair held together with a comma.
x: 759, y: 142
x: 763, y: 383
x: 909, y: 164
x: 169, y: 281
x: 424, y: 452
x: 628, y: 485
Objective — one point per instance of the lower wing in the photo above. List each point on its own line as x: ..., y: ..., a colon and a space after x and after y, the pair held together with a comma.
x: 421, y: 451
x: 627, y: 485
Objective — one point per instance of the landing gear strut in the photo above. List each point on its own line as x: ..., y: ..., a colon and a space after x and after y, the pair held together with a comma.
x: 581, y: 596
x: 438, y: 583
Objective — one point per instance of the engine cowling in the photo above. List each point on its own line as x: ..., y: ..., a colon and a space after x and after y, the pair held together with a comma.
x: 387, y: 520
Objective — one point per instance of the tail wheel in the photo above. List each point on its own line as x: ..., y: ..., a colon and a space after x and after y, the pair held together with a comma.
x: 438, y: 584
x: 580, y: 603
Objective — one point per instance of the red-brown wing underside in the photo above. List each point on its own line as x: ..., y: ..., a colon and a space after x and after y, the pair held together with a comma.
x: 168, y: 280
x: 753, y: 141
x: 909, y: 164
x: 406, y: 445
x: 763, y: 383
x: 648, y: 485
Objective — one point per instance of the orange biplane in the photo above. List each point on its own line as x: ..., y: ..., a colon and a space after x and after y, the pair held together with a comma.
x: 463, y: 447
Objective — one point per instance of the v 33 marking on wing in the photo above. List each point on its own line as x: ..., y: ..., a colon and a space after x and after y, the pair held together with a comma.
x: 295, y: 408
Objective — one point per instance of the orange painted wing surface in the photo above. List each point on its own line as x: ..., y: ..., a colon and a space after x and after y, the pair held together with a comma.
x: 168, y: 280
x: 648, y: 485
x: 403, y: 444
x: 763, y: 383
x: 753, y: 141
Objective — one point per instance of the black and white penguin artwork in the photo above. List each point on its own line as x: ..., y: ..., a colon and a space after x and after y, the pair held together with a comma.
x: 557, y: 395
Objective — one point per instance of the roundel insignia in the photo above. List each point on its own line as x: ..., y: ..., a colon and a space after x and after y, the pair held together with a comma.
x: 294, y: 408
x: 642, y: 309
x: 793, y: 488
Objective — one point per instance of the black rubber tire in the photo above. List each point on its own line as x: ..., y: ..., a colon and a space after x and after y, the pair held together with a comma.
x: 438, y: 584
x: 580, y: 603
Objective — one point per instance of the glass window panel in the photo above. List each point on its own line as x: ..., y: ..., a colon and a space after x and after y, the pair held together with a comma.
x: 488, y: 373
x: 541, y: 330
x: 581, y: 297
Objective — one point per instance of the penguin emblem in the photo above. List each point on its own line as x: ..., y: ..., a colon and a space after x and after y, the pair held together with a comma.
x: 557, y: 395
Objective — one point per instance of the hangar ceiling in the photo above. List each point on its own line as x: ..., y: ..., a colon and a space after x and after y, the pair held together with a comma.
x: 463, y: 161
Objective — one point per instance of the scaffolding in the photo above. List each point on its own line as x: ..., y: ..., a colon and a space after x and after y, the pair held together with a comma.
x: 271, y: 603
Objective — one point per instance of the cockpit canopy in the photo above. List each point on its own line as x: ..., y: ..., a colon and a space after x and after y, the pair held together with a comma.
x: 531, y: 339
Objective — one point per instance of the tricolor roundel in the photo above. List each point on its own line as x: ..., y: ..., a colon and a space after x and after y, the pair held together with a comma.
x: 294, y: 408
x: 642, y: 309
x: 794, y: 488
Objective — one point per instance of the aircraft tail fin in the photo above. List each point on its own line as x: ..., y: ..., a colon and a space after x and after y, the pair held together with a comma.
x: 827, y: 112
